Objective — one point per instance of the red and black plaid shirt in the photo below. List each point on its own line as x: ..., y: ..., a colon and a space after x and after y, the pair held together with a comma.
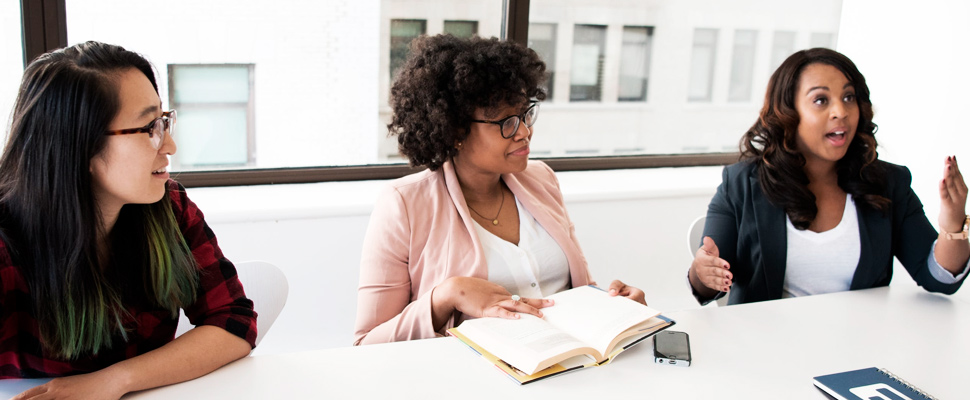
x: 220, y: 302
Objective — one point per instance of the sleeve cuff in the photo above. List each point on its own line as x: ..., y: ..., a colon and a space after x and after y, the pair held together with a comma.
x: 941, y: 274
x: 716, y: 297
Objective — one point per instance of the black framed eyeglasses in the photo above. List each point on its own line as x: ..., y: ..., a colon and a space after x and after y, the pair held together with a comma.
x: 156, y: 129
x: 510, y: 124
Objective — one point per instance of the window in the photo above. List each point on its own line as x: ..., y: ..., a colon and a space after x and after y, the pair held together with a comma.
x: 12, y: 65
x: 542, y: 39
x: 702, y: 65
x: 461, y: 28
x: 403, y: 31
x: 215, y: 113
x: 742, y: 65
x: 620, y: 73
x: 635, y: 63
x: 586, y: 79
x: 820, y: 39
x: 782, y: 46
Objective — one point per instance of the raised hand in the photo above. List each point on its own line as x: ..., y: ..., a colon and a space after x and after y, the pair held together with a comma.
x: 953, y: 197
x: 709, y: 273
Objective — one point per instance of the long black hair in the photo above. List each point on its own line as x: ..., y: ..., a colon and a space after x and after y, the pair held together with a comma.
x: 50, y: 218
x: 771, y: 142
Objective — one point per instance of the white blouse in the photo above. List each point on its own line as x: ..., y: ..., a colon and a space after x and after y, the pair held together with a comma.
x: 536, y: 268
x: 822, y: 262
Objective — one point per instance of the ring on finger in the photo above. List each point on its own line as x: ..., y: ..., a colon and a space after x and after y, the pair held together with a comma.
x: 515, y: 298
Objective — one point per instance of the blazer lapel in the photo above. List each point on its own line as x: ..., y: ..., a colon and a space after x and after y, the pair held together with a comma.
x: 773, y: 239
x: 872, y: 229
x: 480, y: 269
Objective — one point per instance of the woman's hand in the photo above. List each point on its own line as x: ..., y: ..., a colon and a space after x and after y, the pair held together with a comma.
x: 953, y: 197
x: 95, y: 385
x: 709, y: 273
x: 618, y: 288
x: 479, y: 298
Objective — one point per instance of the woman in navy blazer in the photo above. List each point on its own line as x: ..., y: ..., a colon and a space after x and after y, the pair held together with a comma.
x: 810, y: 156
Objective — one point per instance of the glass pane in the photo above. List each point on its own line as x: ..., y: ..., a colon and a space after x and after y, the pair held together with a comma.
x: 461, y: 28
x: 12, y: 63
x: 403, y: 31
x: 702, y: 64
x: 211, y: 137
x: 586, y: 79
x: 542, y: 39
x: 782, y: 47
x: 210, y: 83
x: 662, y: 76
x: 635, y: 63
x: 321, y: 70
x: 742, y: 65
x: 822, y: 39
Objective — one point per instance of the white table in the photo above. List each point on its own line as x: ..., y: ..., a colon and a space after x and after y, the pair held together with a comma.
x: 761, y: 350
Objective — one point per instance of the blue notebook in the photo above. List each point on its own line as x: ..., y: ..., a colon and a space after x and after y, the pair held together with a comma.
x: 869, y: 384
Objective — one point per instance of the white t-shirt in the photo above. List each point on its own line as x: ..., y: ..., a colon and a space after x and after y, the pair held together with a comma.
x: 822, y: 262
x: 536, y: 268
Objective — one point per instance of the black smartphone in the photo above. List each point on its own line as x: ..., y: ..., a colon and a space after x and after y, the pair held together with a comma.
x: 671, y: 348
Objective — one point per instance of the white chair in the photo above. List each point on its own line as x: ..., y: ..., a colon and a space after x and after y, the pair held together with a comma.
x: 266, y: 285
x: 694, y: 236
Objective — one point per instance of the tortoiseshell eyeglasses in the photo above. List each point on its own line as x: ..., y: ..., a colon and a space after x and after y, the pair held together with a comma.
x: 156, y: 130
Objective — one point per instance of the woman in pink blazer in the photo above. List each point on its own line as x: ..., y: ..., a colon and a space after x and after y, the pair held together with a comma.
x: 482, y: 222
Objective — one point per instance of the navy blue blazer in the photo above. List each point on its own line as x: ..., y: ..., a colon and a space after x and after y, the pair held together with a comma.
x: 750, y: 235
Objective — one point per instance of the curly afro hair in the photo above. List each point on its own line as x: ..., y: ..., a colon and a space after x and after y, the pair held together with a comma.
x: 445, y: 80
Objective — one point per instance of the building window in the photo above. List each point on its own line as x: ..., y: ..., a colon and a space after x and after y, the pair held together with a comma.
x: 742, y: 65
x: 403, y: 31
x: 542, y: 39
x: 702, y: 65
x: 782, y: 46
x: 462, y: 29
x: 820, y: 39
x: 589, y: 50
x: 635, y: 63
x: 215, y: 114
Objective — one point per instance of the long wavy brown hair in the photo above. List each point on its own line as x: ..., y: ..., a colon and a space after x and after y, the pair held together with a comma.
x: 771, y: 142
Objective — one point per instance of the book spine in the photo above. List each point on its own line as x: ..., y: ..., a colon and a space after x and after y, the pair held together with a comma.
x: 907, y: 384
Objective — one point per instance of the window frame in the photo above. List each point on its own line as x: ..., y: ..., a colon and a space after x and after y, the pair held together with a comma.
x: 45, y: 28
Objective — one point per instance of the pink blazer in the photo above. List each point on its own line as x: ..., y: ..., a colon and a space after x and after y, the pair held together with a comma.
x: 421, y: 234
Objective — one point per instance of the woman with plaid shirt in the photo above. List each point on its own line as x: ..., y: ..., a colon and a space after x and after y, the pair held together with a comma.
x: 99, y: 249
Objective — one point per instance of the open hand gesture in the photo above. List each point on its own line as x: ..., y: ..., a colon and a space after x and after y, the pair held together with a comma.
x: 953, y: 197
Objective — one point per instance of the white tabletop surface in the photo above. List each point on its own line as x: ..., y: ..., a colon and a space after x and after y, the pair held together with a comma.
x: 753, y: 351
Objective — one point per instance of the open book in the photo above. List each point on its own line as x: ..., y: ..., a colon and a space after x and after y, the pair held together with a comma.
x: 586, y: 327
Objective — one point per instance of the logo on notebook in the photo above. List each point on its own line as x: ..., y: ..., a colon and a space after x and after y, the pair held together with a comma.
x: 878, y: 391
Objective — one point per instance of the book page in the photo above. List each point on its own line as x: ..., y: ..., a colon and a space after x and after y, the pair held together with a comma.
x: 594, y: 317
x: 528, y: 343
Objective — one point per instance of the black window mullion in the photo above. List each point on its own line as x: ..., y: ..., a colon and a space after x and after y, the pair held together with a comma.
x: 516, y: 21
x: 44, y: 24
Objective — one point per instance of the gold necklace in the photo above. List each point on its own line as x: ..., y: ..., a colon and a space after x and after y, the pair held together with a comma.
x: 494, y: 220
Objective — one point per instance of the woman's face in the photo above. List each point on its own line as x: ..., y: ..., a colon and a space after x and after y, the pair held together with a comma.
x: 130, y: 170
x: 828, y: 113
x: 485, y: 150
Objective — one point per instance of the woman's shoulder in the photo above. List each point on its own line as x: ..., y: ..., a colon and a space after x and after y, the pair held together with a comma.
x: 537, y: 172
x: 421, y: 182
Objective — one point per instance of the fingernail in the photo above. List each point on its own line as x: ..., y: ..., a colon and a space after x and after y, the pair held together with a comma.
x: 612, y: 291
x: 550, y: 302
